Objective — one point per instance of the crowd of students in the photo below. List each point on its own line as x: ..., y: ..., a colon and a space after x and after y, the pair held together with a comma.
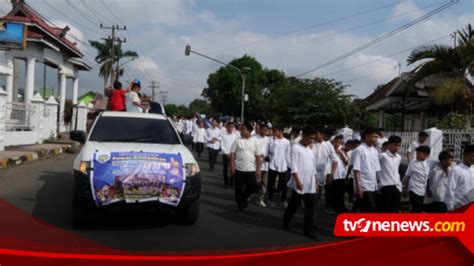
x: 258, y: 159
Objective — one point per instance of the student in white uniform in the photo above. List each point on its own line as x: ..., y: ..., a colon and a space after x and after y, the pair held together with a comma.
x: 352, y: 145
x: 228, y: 138
x: 461, y: 181
x: 389, y: 178
x: 279, y: 152
x: 303, y: 182
x: 213, y: 138
x: 245, y: 166
x: 438, y: 180
x: 262, y: 181
x: 326, y: 166
x: 339, y: 185
x: 366, y: 164
x: 381, y: 140
x: 411, y: 153
x: 417, y: 176
x: 132, y: 100
x: 200, y: 138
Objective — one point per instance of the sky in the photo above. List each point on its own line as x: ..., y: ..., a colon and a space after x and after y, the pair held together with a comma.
x: 290, y: 35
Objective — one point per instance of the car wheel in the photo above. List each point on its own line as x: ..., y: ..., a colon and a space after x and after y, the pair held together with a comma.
x: 188, y: 214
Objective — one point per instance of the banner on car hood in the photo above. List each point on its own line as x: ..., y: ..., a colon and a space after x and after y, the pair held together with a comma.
x: 137, y: 177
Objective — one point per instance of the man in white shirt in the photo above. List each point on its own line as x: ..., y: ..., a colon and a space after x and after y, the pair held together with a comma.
x: 417, y: 176
x: 411, y: 153
x: 245, y: 166
x: 213, y: 139
x: 438, y: 180
x: 263, y: 140
x: 326, y: 166
x: 389, y: 178
x: 366, y: 164
x: 199, y: 138
x: 461, y: 181
x: 228, y: 138
x: 381, y: 140
x: 303, y: 182
x: 132, y: 100
x: 338, y: 186
x: 279, y: 152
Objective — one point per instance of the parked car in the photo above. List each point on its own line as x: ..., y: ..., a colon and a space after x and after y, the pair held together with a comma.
x: 122, y: 132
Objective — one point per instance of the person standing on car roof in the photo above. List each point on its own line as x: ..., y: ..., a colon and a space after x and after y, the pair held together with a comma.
x: 117, y: 99
x: 132, y: 98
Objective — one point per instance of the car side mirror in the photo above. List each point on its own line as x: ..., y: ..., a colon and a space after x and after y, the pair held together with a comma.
x: 78, y: 135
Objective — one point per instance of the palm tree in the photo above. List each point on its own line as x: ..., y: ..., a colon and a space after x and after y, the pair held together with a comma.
x: 109, y: 63
x: 453, y: 65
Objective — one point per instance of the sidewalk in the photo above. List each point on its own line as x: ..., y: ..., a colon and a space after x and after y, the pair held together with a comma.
x: 16, y: 155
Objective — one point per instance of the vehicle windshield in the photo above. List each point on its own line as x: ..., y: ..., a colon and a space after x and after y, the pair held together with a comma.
x: 137, y: 130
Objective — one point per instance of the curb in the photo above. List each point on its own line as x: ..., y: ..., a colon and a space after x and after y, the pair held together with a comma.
x: 32, y: 156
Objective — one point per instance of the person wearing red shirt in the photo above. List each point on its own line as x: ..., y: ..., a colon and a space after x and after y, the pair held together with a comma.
x: 118, y: 97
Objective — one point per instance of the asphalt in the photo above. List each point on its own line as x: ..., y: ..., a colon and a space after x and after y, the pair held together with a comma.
x: 43, y: 190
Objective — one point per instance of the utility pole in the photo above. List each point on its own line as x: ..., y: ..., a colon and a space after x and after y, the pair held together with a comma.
x: 453, y: 35
x: 164, y: 97
x: 154, y: 86
x: 114, y: 59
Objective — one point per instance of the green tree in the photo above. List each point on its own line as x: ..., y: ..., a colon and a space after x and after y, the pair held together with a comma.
x: 201, y: 106
x: 107, y: 61
x: 173, y: 109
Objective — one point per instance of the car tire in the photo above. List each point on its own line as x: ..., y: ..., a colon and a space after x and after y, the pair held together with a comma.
x: 83, y: 210
x: 188, y: 214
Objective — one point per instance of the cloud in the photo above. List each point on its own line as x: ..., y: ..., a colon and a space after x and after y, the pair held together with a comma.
x: 409, y: 7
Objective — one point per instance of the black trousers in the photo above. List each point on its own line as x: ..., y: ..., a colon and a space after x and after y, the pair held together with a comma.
x: 283, y: 178
x: 350, y: 187
x: 389, y: 199
x: 367, y: 202
x: 245, y: 185
x: 293, y: 205
x: 338, y: 190
x: 212, y: 157
x: 329, y: 195
x: 199, y: 148
x: 416, y: 202
x: 225, y: 173
x: 437, y: 206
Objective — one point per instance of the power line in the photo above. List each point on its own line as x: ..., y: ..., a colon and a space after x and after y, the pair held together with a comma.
x: 328, y: 22
x: 380, y: 59
x: 382, y: 38
x: 85, y: 15
x: 92, y: 11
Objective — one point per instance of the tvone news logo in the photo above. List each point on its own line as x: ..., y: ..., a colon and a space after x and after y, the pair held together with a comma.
x: 363, y: 225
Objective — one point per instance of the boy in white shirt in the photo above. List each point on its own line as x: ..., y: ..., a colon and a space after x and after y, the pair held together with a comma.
x: 381, y: 140
x: 417, y: 176
x: 411, y: 153
x: 389, y: 178
x: 262, y: 182
x: 339, y: 185
x: 200, y: 138
x: 245, y: 166
x: 438, y: 180
x: 303, y: 182
x: 279, y: 153
x: 461, y: 181
x: 228, y: 138
x: 366, y: 164
x: 213, y: 138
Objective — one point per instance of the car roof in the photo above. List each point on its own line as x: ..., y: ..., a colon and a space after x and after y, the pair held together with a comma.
x: 133, y: 115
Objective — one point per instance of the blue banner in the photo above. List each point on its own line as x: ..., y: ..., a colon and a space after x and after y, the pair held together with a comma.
x: 137, y: 177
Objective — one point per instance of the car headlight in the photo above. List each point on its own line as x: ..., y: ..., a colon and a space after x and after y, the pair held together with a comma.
x: 192, y: 169
x: 85, y: 167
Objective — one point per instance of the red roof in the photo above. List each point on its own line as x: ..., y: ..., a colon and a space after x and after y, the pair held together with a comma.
x: 31, y: 17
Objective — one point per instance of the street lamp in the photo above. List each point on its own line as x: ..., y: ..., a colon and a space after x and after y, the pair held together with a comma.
x: 188, y: 51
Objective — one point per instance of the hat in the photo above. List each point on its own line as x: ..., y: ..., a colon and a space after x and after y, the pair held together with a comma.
x: 137, y: 82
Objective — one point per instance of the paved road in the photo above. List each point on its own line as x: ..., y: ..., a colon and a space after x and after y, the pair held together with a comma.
x: 43, y: 189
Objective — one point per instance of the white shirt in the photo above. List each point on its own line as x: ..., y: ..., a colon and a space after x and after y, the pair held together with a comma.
x: 302, y: 162
x: 200, y: 136
x: 179, y: 126
x: 263, y: 150
x: 294, y: 140
x: 279, y: 151
x: 366, y: 161
x: 227, y: 140
x: 380, y: 142
x: 341, y: 168
x: 388, y: 174
x: 213, y: 133
x: 438, y: 182
x: 324, y: 155
x: 418, y: 172
x: 130, y: 98
x: 412, y: 149
x: 461, y: 182
x: 245, y: 151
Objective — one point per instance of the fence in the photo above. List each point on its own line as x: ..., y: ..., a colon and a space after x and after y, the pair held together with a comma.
x: 18, y: 117
x: 454, y: 140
